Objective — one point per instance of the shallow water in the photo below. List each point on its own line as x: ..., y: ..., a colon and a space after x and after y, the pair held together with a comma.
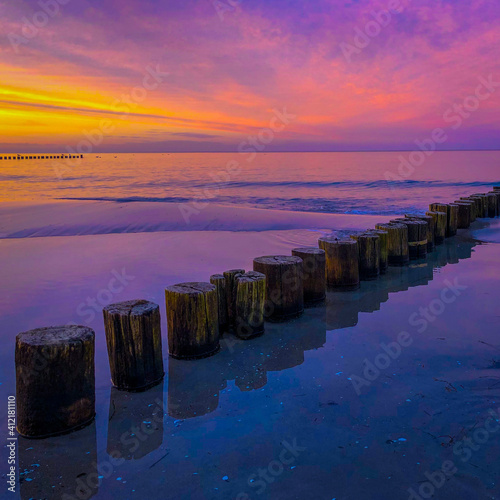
x: 359, y: 183
x: 292, y: 414
x: 218, y: 428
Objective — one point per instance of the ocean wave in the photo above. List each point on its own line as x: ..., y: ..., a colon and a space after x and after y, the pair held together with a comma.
x: 354, y: 206
x: 348, y: 184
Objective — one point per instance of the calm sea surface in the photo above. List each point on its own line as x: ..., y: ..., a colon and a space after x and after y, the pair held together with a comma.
x: 366, y: 183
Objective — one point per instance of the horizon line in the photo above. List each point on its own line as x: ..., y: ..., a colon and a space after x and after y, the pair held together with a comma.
x: 256, y: 152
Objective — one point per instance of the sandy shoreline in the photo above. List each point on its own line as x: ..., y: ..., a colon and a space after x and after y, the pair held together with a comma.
x: 294, y: 384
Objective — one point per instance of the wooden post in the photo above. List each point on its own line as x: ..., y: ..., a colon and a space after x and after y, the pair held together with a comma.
x: 219, y: 282
x: 55, y: 380
x: 342, y: 262
x: 417, y: 237
x: 484, y: 203
x: 369, y: 255
x: 451, y: 211
x: 430, y: 230
x: 497, y: 194
x: 440, y: 219
x: 230, y: 277
x: 314, y: 264
x: 452, y: 218
x: 472, y: 205
x: 192, y: 320
x: 133, y: 337
x: 384, y: 248
x: 464, y: 215
x: 399, y: 253
x: 284, y: 285
x: 250, y: 303
x: 479, y: 205
x: 492, y: 205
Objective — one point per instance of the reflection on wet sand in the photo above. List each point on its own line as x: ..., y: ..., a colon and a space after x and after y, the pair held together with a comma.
x: 193, y: 388
x: 135, y: 422
x: 44, y: 474
x: 342, y: 309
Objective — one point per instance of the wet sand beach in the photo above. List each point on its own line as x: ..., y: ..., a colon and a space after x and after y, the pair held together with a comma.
x: 365, y: 396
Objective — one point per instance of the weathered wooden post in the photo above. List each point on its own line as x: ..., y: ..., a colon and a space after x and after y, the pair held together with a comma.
x: 369, y: 255
x: 192, y: 320
x: 219, y: 282
x: 133, y: 338
x: 250, y: 304
x: 479, y: 205
x: 417, y: 237
x: 492, y: 205
x: 497, y: 194
x: 484, y: 204
x: 440, y: 219
x: 472, y: 205
x: 55, y: 380
x: 399, y: 251
x: 430, y: 230
x: 451, y: 211
x: 284, y: 285
x: 314, y: 265
x: 464, y: 215
x: 342, y: 262
x: 384, y: 248
x: 230, y: 278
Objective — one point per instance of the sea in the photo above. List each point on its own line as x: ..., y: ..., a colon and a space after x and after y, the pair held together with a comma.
x: 350, y: 183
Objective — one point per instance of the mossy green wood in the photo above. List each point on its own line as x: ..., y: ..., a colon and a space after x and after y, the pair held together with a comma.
x: 133, y: 338
x: 55, y: 380
x: 399, y: 253
x: 192, y: 320
x: 451, y: 216
x: 429, y: 230
x: 417, y: 241
x: 342, y: 262
x: 440, y: 219
x: 250, y: 303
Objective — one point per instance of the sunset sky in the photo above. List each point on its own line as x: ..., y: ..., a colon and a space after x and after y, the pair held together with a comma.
x: 231, y: 63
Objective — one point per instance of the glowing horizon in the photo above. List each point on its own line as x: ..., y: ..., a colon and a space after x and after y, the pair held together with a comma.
x: 203, y: 75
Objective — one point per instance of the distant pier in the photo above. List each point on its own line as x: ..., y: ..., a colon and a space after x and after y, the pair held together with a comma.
x: 39, y: 157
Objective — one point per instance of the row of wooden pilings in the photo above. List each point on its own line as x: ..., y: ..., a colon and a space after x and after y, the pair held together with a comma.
x: 40, y: 157
x: 55, y: 379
